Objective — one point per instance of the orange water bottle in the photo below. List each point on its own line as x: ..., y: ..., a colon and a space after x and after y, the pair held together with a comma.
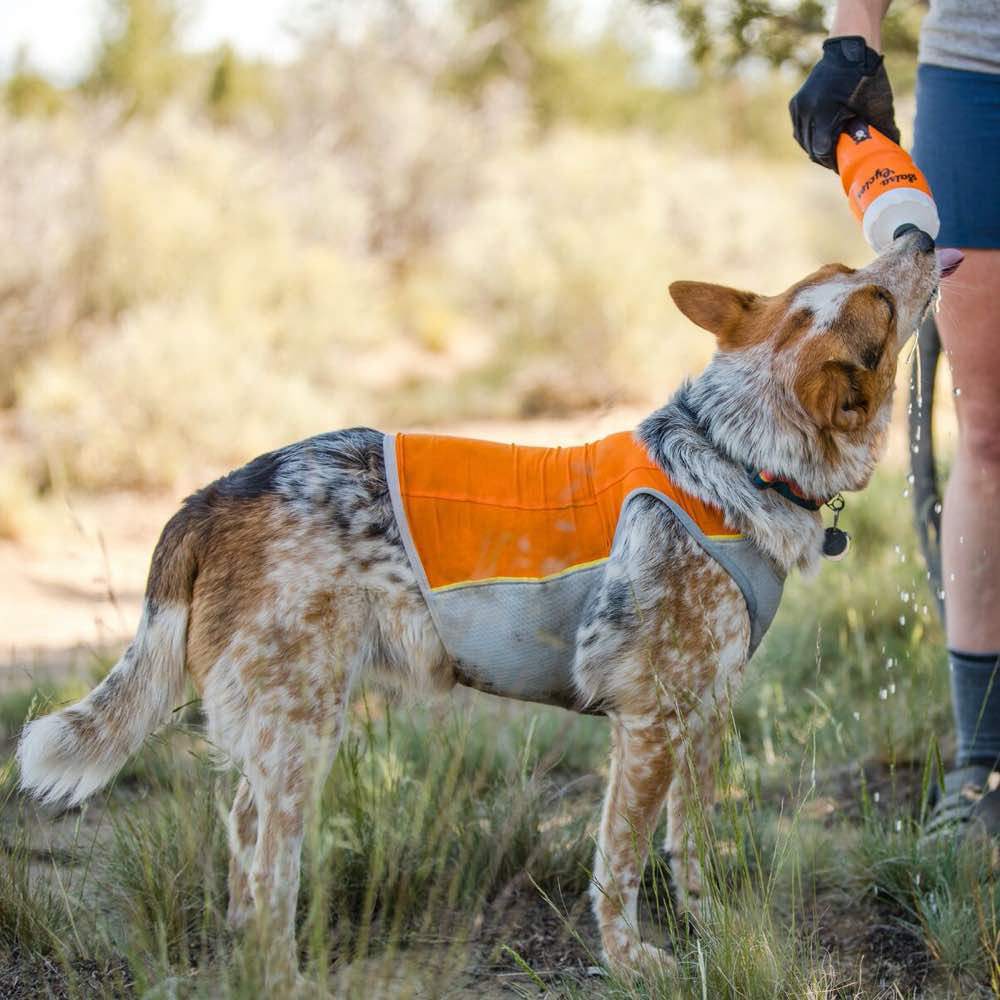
x: 883, y: 185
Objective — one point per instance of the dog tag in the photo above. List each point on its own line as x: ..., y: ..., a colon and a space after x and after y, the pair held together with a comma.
x: 835, y: 543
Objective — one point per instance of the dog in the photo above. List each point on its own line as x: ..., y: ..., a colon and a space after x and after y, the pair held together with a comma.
x: 276, y: 587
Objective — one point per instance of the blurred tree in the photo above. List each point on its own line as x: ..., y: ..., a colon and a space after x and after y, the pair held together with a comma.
x: 29, y: 93
x: 597, y: 82
x: 234, y: 86
x: 507, y: 37
x: 604, y: 82
x: 725, y: 33
x: 138, y: 55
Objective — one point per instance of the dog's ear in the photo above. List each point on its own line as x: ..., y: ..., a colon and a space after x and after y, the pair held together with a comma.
x: 837, y: 396
x: 726, y: 312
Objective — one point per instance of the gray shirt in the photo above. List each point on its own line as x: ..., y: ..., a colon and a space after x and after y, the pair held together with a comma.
x: 962, y: 34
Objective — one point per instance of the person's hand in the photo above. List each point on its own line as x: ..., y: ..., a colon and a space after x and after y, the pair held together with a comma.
x: 849, y: 81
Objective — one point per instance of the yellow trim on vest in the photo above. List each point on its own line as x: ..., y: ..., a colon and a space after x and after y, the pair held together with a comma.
x: 520, y: 579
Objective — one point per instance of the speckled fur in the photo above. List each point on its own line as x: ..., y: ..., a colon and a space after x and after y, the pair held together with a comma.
x: 276, y: 587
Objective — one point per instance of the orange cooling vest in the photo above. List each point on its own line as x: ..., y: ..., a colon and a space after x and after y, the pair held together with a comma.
x: 508, y: 542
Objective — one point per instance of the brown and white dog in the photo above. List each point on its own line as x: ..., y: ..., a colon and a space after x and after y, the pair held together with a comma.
x: 276, y: 587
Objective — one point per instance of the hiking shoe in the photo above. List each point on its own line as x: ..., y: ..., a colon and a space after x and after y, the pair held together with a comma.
x: 969, y: 804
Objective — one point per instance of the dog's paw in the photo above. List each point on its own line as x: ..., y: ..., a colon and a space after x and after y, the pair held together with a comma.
x: 640, y: 959
x: 654, y: 961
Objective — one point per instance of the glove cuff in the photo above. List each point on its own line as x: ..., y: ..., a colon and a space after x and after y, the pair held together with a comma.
x: 851, y: 52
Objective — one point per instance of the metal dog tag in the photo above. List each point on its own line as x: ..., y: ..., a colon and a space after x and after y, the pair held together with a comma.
x: 835, y: 543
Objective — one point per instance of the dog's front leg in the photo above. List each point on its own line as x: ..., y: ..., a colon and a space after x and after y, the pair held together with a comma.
x: 641, y: 766
x: 691, y: 793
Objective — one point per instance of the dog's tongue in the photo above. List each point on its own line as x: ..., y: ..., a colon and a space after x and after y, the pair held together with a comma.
x: 948, y: 260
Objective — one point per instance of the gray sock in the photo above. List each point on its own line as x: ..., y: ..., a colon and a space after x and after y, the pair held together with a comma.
x: 975, y: 692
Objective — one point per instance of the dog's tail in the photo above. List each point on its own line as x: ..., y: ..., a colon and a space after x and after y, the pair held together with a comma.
x: 70, y: 754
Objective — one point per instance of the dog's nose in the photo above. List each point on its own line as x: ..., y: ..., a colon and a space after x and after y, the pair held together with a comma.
x: 924, y: 242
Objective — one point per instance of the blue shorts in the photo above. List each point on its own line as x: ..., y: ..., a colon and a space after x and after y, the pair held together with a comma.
x: 957, y: 146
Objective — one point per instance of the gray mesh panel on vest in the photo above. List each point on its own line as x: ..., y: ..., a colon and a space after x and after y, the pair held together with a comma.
x: 517, y: 639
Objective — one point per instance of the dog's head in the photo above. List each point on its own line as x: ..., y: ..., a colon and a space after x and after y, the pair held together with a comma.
x: 823, y: 353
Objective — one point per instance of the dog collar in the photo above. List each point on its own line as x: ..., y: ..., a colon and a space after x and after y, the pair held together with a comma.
x: 787, y: 488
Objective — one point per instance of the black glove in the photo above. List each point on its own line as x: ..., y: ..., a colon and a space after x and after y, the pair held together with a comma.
x: 848, y: 81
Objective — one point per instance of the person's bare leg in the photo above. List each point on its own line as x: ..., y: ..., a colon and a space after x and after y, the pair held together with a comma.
x: 969, y: 322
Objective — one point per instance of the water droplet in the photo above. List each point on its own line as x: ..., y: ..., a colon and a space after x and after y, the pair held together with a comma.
x: 902, y: 619
x: 910, y: 478
x: 883, y: 694
x: 961, y: 539
x: 890, y: 663
x: 958, y: 392
x: 951, y: 576
x: 905, y: 596
x: 899, y: 826
x: 906, y: 493
x: 938, y: 508
x: 876, y: 796
x: 857, y: 716
x: 892, y: 688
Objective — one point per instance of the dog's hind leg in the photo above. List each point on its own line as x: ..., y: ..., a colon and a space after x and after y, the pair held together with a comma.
x: 286, y: 779
x: 642, y: 761
x: 242, y: 844
x: 283, y: 728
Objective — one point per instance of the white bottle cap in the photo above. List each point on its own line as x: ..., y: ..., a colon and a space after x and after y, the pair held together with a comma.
x: 896, y: 208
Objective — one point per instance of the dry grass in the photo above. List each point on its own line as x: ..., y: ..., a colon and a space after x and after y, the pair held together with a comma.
x: 453, y: 843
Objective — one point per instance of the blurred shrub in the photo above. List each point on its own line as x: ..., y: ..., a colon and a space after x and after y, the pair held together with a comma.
x: 178, y: 292
x: 51, y: 221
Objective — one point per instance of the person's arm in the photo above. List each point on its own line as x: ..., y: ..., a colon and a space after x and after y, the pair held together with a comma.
x: 860, y: 17
x: 848, y: 82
